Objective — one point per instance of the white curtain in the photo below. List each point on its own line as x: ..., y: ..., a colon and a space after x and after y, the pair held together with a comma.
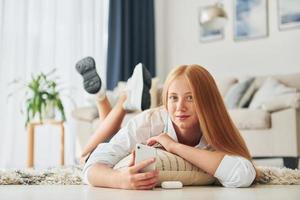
x: 37, y: 36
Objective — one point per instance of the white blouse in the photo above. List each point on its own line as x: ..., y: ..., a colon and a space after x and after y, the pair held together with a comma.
x: 233, y: 171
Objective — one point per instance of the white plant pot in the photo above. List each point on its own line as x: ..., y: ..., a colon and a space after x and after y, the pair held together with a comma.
x: 49, y: 111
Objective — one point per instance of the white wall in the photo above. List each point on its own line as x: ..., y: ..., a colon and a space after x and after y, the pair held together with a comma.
x: 177, y: 42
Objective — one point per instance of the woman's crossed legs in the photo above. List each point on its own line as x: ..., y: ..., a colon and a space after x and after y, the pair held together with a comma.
x: 135, y: 97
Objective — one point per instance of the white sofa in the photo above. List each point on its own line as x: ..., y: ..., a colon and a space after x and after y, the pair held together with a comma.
x: 267, y: 134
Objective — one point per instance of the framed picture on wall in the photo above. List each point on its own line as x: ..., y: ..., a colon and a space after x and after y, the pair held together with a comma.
x: 250, y: 19
x: 288, y: 14
x: 208, y: 33
x: 211, y: 35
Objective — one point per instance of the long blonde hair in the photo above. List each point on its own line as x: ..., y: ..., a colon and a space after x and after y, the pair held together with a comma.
x: 215, y: 123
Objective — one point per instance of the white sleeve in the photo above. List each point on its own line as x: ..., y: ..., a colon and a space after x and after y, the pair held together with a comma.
x: 136, y: 131
x: 235, y: 171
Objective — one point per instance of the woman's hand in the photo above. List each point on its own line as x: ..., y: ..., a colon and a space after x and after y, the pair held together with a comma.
x: 132, y: 179
x: 164, y: 139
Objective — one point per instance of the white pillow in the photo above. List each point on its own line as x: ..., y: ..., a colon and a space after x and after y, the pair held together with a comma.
x: 269, y: 89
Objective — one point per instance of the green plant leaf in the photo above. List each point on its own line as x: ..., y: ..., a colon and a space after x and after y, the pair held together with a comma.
x: 39, y: 91
x: 61, y: 109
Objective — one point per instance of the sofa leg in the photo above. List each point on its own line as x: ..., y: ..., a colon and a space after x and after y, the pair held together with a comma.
x: 291, y: 162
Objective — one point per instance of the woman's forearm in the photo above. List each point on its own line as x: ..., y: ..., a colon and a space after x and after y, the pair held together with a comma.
x: 203, y: 159
x: 101, y: 175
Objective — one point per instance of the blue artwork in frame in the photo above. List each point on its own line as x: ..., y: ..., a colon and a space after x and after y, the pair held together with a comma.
x: 250, y: 19
x: 288, y: 14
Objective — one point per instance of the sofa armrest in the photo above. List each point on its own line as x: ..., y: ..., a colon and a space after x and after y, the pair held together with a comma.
x: 282, y: 139
x: 88, y: 113
x: 286, y: 128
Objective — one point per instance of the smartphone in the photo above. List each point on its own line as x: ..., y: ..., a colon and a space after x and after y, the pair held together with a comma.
x: 144, y: 152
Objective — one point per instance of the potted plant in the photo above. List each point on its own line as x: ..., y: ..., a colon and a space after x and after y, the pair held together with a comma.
x: 42, y: 98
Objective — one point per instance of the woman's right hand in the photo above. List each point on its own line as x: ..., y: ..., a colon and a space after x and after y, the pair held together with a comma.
x: 131, y: 178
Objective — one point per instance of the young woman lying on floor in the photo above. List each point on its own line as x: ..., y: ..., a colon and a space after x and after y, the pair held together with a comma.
x: 193, y: 116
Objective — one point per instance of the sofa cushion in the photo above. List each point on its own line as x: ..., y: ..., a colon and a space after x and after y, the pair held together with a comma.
x: 290, y: 80
x: 269, y: 89
x: 250, y: 119
x: 290, y: 100
x: 88, y: 113
x: 174, y: 168
x: 154, y: 91
x: 246, y: 98
x: 224, y: 84
x: 236, y: 92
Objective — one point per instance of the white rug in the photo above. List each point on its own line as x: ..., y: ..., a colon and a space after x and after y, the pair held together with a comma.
x: 72, y: 176
x: 53, y: 176
x: 279, y: 176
